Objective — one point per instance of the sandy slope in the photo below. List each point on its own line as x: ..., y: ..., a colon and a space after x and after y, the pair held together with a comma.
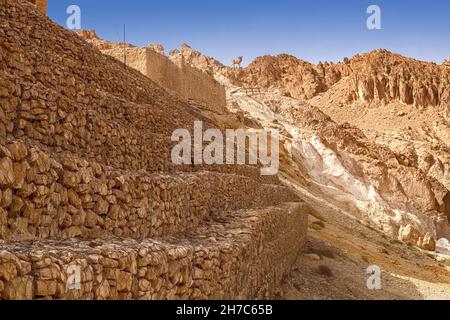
x: 334, y: 263
x: 348, y: 247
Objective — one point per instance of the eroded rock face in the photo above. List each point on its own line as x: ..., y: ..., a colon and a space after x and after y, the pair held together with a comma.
x: 294, y: 77
x: 157, y: 48
x: 344, y: 167
x: 383, y: 77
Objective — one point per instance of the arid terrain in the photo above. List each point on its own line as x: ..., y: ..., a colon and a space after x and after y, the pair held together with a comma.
x: 87, y: 184
x: 369, y: 154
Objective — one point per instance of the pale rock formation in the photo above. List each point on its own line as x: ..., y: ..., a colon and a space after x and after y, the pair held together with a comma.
x: 342, y: 166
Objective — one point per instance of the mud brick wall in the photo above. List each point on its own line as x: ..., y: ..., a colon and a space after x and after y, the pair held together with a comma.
x: 239, y: 257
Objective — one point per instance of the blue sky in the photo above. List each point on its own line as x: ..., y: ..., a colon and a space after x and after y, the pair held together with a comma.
x: 313, y: 30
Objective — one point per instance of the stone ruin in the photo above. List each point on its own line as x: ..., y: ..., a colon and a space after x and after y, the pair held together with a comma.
x: 91, y: 206
x: 172, y: 72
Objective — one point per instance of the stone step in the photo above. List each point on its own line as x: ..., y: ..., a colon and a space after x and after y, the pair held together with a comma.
x: 116, y: 133
x: 65, y: 197
x: 155, y: 164
x: 242, y: 255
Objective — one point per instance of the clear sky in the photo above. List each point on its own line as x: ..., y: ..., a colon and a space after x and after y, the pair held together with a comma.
x: 313, y: 30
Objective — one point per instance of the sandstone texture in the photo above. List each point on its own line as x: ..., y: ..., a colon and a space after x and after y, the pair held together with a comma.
x: 87, y: 186
x: 396, y: 181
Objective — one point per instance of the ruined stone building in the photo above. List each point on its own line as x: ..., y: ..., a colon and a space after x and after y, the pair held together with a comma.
x: 41, y: 4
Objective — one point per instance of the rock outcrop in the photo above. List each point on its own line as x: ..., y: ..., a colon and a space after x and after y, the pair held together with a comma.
x: 377, y: 77
x: 293, y: 77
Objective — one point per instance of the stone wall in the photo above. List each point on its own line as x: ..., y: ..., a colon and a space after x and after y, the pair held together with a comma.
x: 44, y: 196
x: 174, y: 74
x: 244, y: 256
x: 86, y: 181
x: 40, y: 4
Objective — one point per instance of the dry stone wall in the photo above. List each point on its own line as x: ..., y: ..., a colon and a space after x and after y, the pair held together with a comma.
x: 174, y: 74
x: 86, y: 182
x: 43, y: 197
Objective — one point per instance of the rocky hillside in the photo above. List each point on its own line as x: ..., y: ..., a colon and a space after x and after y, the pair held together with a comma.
x: 379, y: 77
x: 389, y: 184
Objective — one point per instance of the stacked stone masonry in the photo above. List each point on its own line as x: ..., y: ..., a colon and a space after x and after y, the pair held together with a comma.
x: 174, y: 74
x: 42, y: 197
x: 86, y: 182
